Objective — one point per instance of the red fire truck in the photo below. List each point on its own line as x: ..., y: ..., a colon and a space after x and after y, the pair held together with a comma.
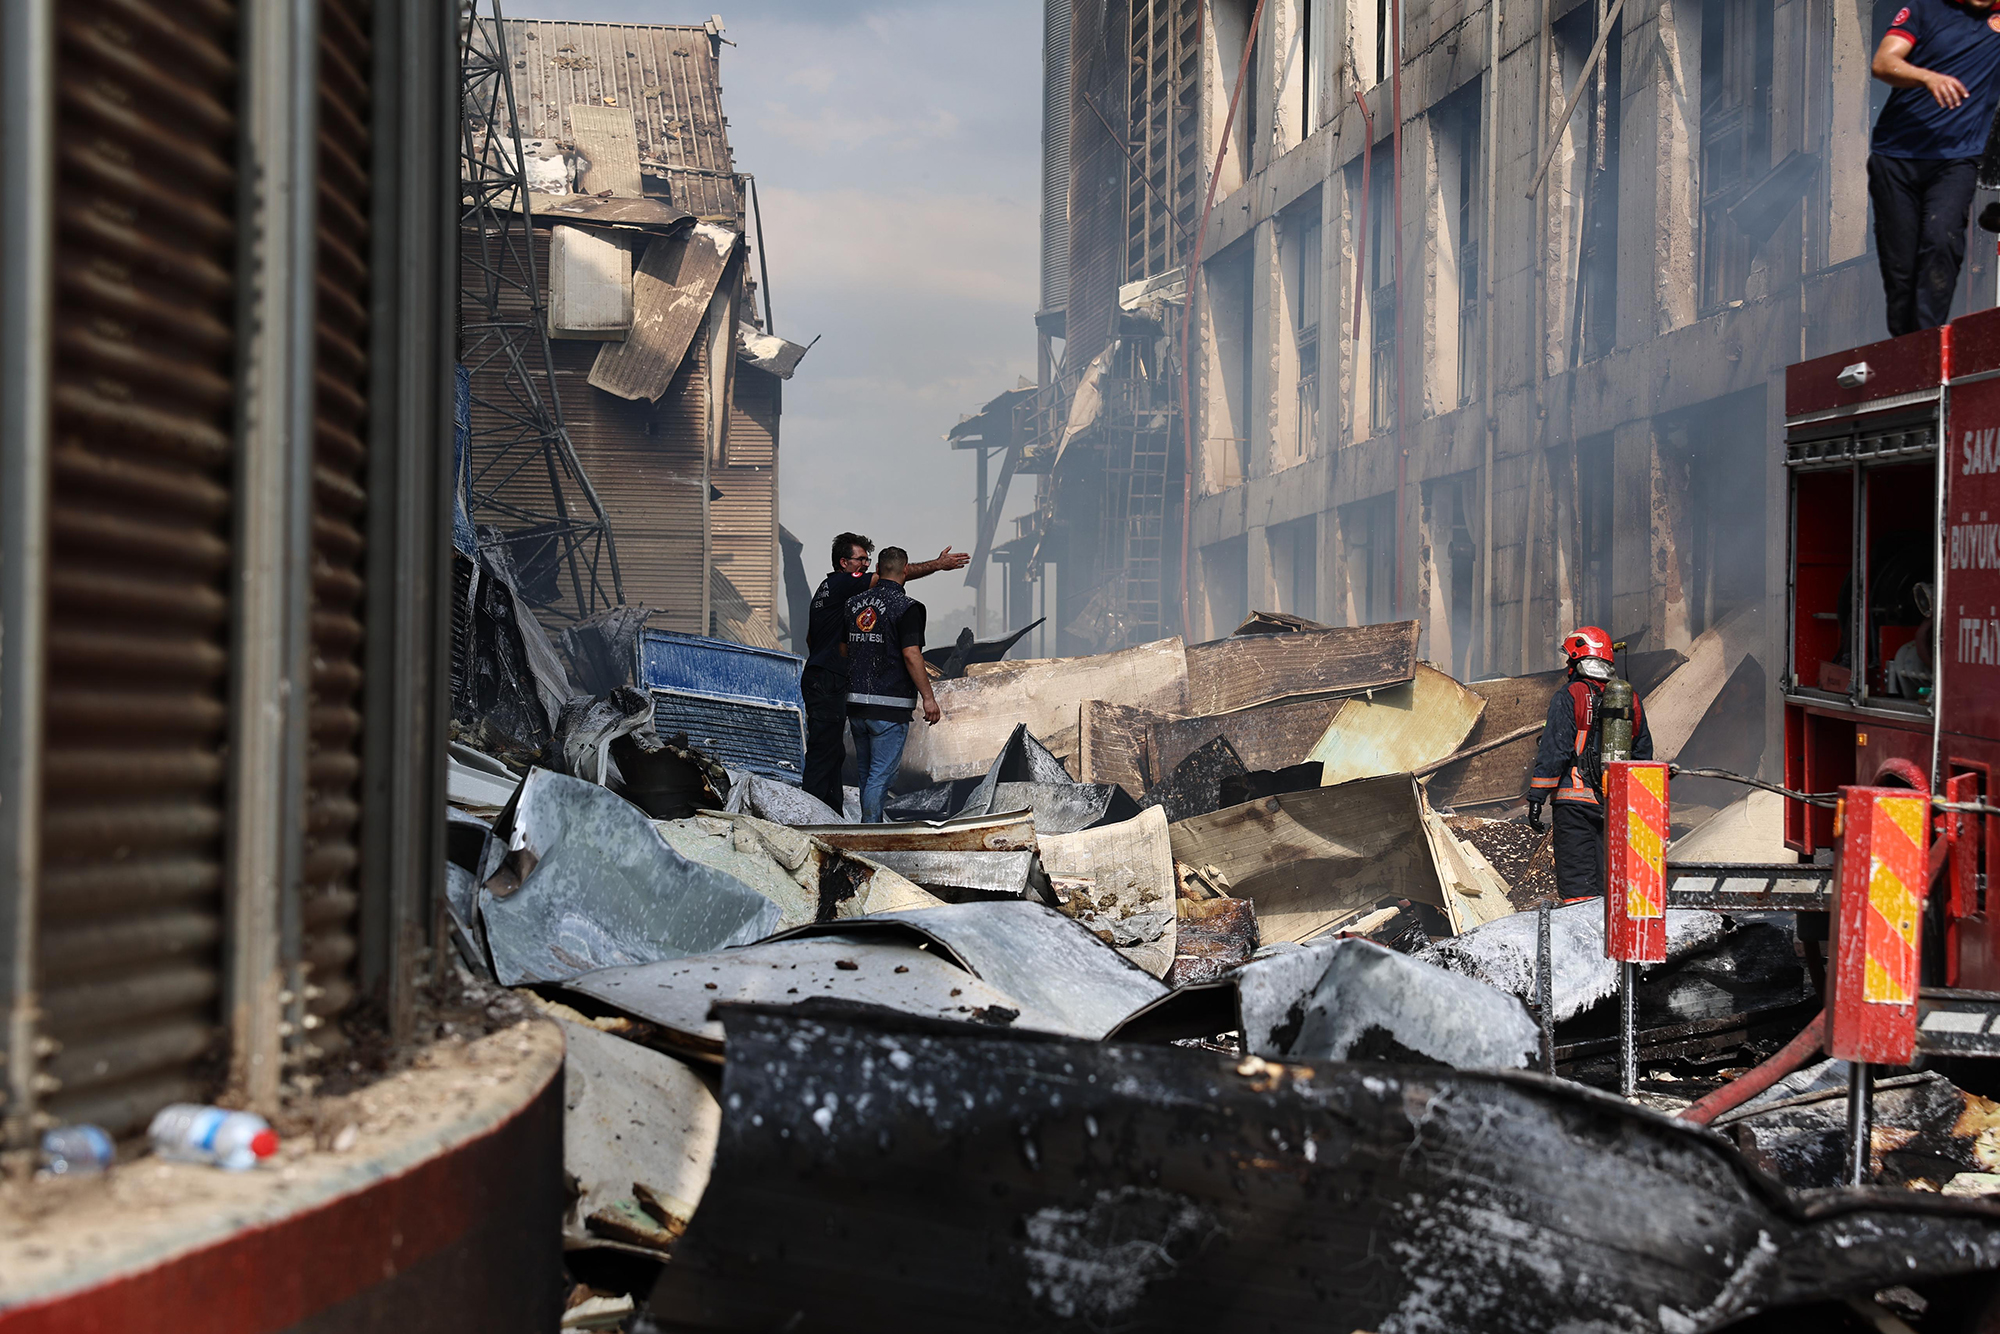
x: 1892, y: 454
x: 1891, y: 686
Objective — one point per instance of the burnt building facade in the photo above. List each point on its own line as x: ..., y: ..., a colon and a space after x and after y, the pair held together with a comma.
x: 1490, y: 319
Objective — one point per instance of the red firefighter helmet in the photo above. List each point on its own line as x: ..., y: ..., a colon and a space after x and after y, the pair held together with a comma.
x: 1587, y: 642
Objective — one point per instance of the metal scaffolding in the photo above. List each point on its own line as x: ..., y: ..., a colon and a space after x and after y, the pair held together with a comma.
x: 527, y: 491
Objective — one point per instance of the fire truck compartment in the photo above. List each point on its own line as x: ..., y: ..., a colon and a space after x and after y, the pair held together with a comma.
x: 1858, y: 705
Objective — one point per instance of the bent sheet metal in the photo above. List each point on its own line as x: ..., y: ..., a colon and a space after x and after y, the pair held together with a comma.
x: 587, y: 882
x: 970, y: 1182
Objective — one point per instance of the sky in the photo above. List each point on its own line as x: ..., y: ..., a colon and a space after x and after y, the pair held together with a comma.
x: 897, y: 151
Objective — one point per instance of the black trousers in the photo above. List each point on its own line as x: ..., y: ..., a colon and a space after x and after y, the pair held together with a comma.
x: 1921, y: 205
x: 826, y: 732
x: 1579, y: 849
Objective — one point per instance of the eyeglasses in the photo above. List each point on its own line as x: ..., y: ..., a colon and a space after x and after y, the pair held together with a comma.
x: 849, y: 560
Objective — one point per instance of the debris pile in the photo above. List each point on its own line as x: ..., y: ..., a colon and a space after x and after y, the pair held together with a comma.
x: 1166, y: 954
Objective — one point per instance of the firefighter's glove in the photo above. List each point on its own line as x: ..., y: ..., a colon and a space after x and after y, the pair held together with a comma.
x: 1535, y: 816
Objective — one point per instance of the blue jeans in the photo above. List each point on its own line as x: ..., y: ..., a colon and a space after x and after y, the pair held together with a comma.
x: 878, y: 749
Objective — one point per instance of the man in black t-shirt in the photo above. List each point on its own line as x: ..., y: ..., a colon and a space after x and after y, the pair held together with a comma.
x: 824, y: 682
x: 1943, y: 59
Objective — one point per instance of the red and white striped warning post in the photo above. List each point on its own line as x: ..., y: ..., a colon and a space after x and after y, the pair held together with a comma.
x: 1878, y: 913
x: 1635, y: 835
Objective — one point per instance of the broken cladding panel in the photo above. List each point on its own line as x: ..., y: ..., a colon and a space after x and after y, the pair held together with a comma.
x: 587, y: 882
x: 680, y: 995
x: 1345, y: 1000
x: 1050, y: 964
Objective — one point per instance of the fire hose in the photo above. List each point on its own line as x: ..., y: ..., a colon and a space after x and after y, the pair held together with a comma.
x: 1754, y: 1081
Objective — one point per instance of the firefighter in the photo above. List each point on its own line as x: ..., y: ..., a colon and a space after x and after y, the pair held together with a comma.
x: 1567, y: 765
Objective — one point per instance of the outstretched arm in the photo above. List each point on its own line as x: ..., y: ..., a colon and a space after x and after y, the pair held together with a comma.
x: 946, y: 560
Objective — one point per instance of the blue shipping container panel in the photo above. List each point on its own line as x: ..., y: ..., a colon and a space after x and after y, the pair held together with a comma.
x: 734, y: 702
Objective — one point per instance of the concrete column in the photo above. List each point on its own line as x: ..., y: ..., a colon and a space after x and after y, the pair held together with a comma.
x: 1215, y: 428
x: 1847, y: 138
x: 1266, y: 315
x: 1670, y: 534
x: 1286, y: 447
x: 1433, y: 598
x: 1631, y: 534
x: 1435, y: 330
x: 1262, y: 588
x: 1648, y: 507
x: 1660, y: 139
x: 1335, y: 606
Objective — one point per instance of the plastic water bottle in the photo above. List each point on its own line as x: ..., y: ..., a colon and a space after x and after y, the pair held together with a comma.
x: 75, y: 1151
x: 190, y: 1133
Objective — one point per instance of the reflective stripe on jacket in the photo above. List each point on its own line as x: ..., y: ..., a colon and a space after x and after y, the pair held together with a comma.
x: 1568, y: 733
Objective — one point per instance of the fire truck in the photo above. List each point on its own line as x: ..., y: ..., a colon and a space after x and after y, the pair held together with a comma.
x: 1892, y: 678
x: 1891, y: 696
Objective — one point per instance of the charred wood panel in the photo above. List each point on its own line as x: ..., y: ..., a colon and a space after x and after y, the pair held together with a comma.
x: 978, y: 1181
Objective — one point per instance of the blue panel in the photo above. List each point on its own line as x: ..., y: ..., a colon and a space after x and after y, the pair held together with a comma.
x: 739, y: 704
x: 767, y: 741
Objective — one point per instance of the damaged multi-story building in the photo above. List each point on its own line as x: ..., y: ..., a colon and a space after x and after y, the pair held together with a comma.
x: 1493, y: 307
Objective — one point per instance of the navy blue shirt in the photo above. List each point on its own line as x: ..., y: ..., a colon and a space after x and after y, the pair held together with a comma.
x: 826, y: 629
x: 1947, y: 39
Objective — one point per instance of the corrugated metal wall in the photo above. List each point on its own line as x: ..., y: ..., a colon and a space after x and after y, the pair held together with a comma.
x: 330, y: 872
x: 130, y: 910
x: 1055, y: 153
x: 645, y: 461
x: 745, y: 520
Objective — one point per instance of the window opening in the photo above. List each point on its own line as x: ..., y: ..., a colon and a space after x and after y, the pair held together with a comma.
x: 1736, y: 37
x: 1382, y: 296
x: 1306, y: 277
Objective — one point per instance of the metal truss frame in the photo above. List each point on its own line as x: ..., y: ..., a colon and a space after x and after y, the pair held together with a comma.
x: 525, y: 479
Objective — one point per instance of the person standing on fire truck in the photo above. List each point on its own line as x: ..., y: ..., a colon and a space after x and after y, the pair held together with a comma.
x: 1943, y: 59
x: 1567, y: 766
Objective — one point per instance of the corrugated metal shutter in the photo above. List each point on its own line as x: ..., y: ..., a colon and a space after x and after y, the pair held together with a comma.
x: 745, y: 520
x: 330, y: 888
x: 130, y: 908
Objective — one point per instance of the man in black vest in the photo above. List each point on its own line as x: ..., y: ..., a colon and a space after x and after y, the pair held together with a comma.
x: 824, y: 681
x: 885, y: 677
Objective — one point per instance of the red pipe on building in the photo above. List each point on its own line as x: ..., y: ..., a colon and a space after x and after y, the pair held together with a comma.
x: 1187, y: 308
x: 1396, y: 190
x: 1361, y: 245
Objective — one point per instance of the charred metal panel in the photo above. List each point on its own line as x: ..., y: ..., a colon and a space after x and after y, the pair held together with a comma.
x: 959, y: 1180
x: 141, y: 453
x: 669, y: 79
